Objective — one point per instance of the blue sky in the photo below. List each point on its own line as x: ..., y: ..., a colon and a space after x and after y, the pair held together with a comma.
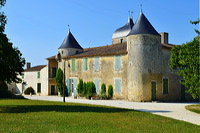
x: 38, y: 27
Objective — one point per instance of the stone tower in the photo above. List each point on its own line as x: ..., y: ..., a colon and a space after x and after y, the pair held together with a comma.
x: 144, y: 59
x: 69, y: 46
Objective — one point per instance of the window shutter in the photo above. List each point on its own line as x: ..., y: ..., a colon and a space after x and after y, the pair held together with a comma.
x: 96, y: 64
x: 117, y: 86
x: 117, y: 62
x: 85, y: 64
x: 97, y: 85
x: 38, y: 75
x: 73, y: 65
x: 68, y: 86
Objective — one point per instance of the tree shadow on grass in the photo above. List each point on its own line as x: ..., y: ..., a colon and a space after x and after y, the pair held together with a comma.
x: 59, y: 108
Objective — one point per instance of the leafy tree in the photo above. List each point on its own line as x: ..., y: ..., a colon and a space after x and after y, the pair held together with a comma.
x: 11, y: 61
x: 59, y: 80
x: 196, y: 22
x: 185, y: 57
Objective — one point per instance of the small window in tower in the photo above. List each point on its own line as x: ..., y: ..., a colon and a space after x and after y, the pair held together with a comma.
x: 62, y: 52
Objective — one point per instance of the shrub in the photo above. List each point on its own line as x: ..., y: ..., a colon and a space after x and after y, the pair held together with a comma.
x: 103, y: 89
x: 7, y: 94
x: 3, y: 85
x: 110, y: 91
x: 84, y: 89
x: 91, y: 89
x: 80, y: 88
x: 29, y: 90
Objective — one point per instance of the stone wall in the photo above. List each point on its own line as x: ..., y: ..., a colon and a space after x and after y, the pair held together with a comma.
x: 106, y: 74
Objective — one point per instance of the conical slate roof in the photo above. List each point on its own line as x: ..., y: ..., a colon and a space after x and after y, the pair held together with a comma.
x: 70, y: 42
x: 123, y: 31
x: 143, y: 26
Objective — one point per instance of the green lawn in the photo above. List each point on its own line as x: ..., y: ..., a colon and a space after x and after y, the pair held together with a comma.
x: 57, y: 117
x: 194, y: 108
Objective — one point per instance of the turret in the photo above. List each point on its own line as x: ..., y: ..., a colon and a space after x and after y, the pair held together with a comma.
x: 119, y: 36
x: 69, y: 46
x: 144, y: 55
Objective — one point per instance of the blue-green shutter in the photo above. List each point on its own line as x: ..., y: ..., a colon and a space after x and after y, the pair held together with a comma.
x: 165, y: 86
x: 85, y: 64
x: 74, y: 81
x: 38, y: 74
x: 68, y: 86
x: 117, y: 62
x: 97, y: 85
x: 96, y: 64
x: 73, y: 65
x: 117, y: 86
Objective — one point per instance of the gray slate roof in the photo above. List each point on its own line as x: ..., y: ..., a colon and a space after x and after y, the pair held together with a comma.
x: 70, y: 42
x: 143, y: 26
x: 123, y: 31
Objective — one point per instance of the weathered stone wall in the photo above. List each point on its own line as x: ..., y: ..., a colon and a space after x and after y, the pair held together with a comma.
x: 106, y: 74
x: 119, y: 40
x: 148, y: 62
x: 144, y: 58
x: 69, y: 51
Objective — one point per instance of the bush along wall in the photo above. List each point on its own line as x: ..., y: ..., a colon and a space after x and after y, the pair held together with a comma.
x: 86, y: 89
x: 29, y: 90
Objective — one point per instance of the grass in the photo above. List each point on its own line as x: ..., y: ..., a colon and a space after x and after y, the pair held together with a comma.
x: 57, y: 117
x: 194, y: 108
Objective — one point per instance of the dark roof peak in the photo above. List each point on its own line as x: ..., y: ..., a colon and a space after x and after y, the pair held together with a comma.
x: 70, y: 42
x: 123, y: 31
x: 143, y: 26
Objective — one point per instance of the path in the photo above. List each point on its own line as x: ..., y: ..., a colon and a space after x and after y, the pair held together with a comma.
x: 172, y: 110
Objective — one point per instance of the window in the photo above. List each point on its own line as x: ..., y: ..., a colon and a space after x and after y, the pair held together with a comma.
x: 22, y: 75
x: 165, y: 86
x: 117, y: 62
x: 38, y: 75
x: 96, y: 63
x: 73, y: 65
x: 97, y: 85
x: 121, y: 40
x: 85, y: 64
x: 117, y: 86
x: 53, y: 70
x: 38, y: 87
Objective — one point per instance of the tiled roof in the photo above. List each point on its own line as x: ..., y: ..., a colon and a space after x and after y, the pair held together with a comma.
x: 168, y: 46
x: 115, y: 49
x: 51, y: 58
x: 35, y: 68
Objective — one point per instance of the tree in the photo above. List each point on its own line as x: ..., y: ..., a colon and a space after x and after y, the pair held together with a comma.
x: 59, y: 80
x: 185, y: 57
x: 103, y: 89
x: 11, y: 61
x: 80, y: 88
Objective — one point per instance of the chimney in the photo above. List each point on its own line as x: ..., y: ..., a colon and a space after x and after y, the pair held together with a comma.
x: 164, y: 37
x: 28, y: 65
